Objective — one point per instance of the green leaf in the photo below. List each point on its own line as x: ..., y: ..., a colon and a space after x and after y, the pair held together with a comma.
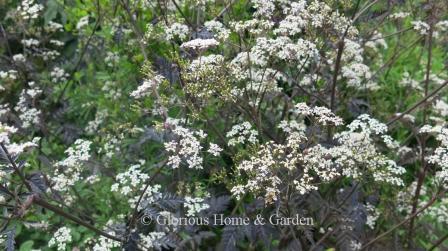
x: 26, y: 246
x: 51, y: 11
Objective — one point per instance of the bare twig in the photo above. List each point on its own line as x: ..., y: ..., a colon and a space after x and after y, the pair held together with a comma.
x: 135, y: 211
x: 432, y: 201
x: 439, y: 242
x: 416, y: 105
x: 36, y: 199
x: 423, y: 169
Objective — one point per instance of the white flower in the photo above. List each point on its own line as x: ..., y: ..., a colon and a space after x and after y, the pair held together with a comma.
x: 151, y: 240
x: 200, y: 44
x: 421, y: 27
x: 399, y: 15
x: 220, y: 32
x: 241, y: 133
x: 31, y: 42
x: 54, y: 27
x: 61, y: 238
x: 176, y: 30
x: 194, y: 205
x: 71, y: 167
x: 112, y: 58
x: 148, y: 85
x: 214, y: 149
x: 58, y: 75
x: 19, y: 58
x: 441, y: 108
x: 82, y: 22
x: 29, y: 10
x: 186, y: 148
x: 372, y: 215
x: 322, y: 115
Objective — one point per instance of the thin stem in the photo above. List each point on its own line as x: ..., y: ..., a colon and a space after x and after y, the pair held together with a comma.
x: 419, y: 103
x: 439, y: 242
x: 83, y: 52
x: 424, y: 167
x: 36, y: 199
x: 135, y: 213
x: 59, y: 211
x: 432, y: 201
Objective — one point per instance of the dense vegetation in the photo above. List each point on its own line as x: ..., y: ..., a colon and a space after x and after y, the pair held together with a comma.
x: 134, y: 124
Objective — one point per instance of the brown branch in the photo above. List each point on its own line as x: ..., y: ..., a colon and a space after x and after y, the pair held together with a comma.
x: 416, y: 105
x: 135, y: 211
x: 59, y: 211
x: 36, y: 199
x: 439, y: 242
x: 424, y: 167
x: 432, y: 201
x: 223, y: 11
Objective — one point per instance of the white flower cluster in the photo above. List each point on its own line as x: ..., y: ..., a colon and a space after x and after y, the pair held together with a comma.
x: 438, y: 211
x: 408, y: 82
x: 5, y: 132
x: 61, y: 238
x: 130, y: 181
x: 53, y: 27
x: 204, y: 77
x: 214, y: 150
x: 83, y: 21
x: 260, y: 169
x: 11, y: 75
x: 107, y: 244
x: 29, y: 116
x: 15, y: 149
x: 93, y: 125
x: 218, y: 29
x: 358, y: 153
x: 31, y: 42
x: 58, y: 75
x: 399, y: 15
x: 29, y: 10
x: 200, y: 44
x: 372, y: 215
x: 147, y: 86
x: 441, y: 107
x: 112, y: 59
x: 421, y: 27
x: 354, y: 70
x: 295, y: 21
x: 301, y: 52
x: 322, y: 115
x: 50, y: 54
x: 56, y: 43
x: 242, y: 133
x: 71, y: 167
x: 264, y: 8
x: 177, y: 30
x: 111, y: 90
x: 19, y: 58
x: 150, y: 240
x: 440, y: 154
x: 185, y: 148
x: 316, y: 160
x: 194, y: 205
x: 253, y: 26
x: 376, y: 41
